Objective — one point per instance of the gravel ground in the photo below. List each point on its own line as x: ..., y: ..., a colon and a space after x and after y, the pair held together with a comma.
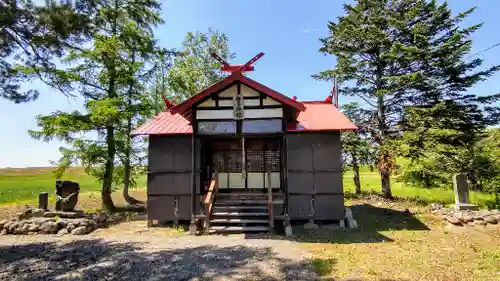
x: 129, y: 252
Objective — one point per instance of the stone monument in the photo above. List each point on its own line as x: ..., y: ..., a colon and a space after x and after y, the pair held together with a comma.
x: 67, y: 195
x: 461, y: 188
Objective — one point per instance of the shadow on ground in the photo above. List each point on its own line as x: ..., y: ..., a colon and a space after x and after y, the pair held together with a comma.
x: 101, y: 260
x: 371, y: 220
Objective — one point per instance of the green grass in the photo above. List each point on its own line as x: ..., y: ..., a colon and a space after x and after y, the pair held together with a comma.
x: 24, y: 185
x: 370, y: 182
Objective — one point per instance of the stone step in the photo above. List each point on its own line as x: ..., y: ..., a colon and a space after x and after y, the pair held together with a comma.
x: 218, y: 229
x: 239, y: 214
x: 239, y: 221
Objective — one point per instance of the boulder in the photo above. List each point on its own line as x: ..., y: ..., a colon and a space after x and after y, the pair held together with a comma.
x: 480, y: 222
x: 49, y: 227
x: 40, y: 221
x: 25, y: 228
x: 63, y: 223
x: 26, y: 214
x: 70, y: 227
x: 81, y: 230
x: 453, y: 220
x: 64, y: 214
x: 467, y: 218
x: 62, y: 232
x: 100, y: 218
x: 490, y: 219
x: 7, y: 224
x: 2, y: 223
x: 34, y: 227
x: 13, y: 226
x: 3, y: 232
x: 38, y: 213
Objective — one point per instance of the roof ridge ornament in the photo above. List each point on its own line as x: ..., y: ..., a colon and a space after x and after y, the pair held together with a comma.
x: 237, y: 68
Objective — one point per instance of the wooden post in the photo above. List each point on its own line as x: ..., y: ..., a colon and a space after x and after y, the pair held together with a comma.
x: 43, y: 200
x: 270, y: 202
x: 192, y: 225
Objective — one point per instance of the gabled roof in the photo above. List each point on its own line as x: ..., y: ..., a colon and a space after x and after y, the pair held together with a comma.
x: 317, y: 116
x: 187, y: 104
x: 321, y: 116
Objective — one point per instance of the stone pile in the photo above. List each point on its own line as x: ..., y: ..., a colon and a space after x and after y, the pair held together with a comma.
x: 39, y: 221
x: 467, y: 217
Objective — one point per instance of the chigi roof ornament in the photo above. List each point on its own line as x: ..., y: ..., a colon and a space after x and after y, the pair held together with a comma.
x: 237, y: 68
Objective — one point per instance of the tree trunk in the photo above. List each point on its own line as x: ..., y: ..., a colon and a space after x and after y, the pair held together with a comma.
x: 386, y: 184
x: 355, y: 166
x: 128, y: 149
x: 107, y: 201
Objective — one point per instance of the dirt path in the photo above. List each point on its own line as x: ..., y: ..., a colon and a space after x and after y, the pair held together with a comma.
x: 130, y: 251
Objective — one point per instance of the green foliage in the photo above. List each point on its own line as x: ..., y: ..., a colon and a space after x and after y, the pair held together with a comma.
x: 195, y: 69
x: 32, y: 36
x: 406, y: 59
x: 108, y: 72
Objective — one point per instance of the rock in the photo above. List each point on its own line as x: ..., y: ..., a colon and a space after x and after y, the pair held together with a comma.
x: 100, y: 218
x: 7, y: 225
x: 2, y: 223
x: 81, y: 222
x: 63, y: 223
x: 490, y: 219
x: 3, y: 232
x: 435, y: 206
x: 453, y: 220
x: 467, y: 218
x: 13, y: 226
x: 62, y: 232
x: 81, y: 230
x: 32, y: 232
x: 25, y: 228
x: 33, y: 228
x: 49, y: 227
x: 40, y: 221
x: 26, y: 214
x: 311, y: 225
x: 38, y: 213
x: 480, y: 222
x: 63, y: 214
x: 477, y: 216
x: 70, y: 227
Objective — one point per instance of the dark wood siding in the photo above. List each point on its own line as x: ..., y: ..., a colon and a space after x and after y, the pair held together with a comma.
x: 315, y: 176
x: 169, y: 177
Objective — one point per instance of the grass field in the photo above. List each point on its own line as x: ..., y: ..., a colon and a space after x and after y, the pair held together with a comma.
x: 22, y: 186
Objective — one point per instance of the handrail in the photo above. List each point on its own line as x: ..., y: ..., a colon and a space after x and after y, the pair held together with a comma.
x: 270, y: 202
x: 213, y: 189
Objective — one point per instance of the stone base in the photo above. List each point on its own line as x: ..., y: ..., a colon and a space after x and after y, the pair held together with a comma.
x: 63, y: 214
x: 464, y: 206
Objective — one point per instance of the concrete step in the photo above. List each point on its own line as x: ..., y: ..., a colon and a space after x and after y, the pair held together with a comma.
x: 246, y: 201
x: 240, y: 207
x: 219, y: 229
x: 239, y: 221
x: 239, y: 214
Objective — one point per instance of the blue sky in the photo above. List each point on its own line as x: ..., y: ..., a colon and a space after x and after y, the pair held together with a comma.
x: 286, y: 31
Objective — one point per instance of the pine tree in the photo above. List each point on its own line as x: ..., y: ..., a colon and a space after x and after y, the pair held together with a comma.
x: 398, y: 54
x: 34, y: 36
x: 444, y: 123
x: 357, y: 148
x: 105, y: 72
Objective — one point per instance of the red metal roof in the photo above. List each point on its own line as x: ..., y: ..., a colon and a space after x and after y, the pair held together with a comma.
x: 320, y: 116
x: 317, y: 116
x: 166, y: 123
x: 186, y: 105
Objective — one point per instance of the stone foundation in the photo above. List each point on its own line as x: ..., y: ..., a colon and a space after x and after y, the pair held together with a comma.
x: 467, y: 217
x: 39, y: 221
